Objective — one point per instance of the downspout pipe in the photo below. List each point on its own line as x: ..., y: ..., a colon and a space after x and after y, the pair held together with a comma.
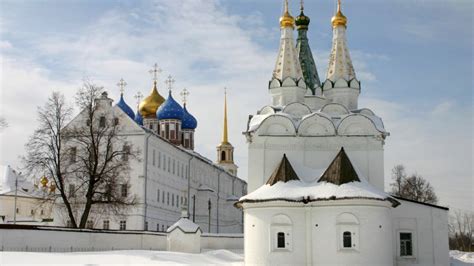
x: 145, y: 175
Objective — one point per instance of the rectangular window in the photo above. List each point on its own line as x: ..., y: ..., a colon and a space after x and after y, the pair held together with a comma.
x: 158, y: 195
x: 177, y: 201
x: 124, y: 190
x: 164, y: 162
x: 173, y: 166
x: 106, y: 225
x: 125, y: 152
x: 72, y: 154
x: 159, y: 159
x: 163, y: 197
x: 123, y: 225
x: 146, y: 226
x: 406, y: 244
x: 153, y: 158
x: 162, y: 227
x: 168, y: 198
x: 116, y: 121
x: 89, y: 224
x: 102, y: 121
x: 281, y: 240
x: 157, y: 227
x: 32, y: 212
x: 169, y: 165
x: 172, y: 199
x: 347, y: 239
x: 72, y: 190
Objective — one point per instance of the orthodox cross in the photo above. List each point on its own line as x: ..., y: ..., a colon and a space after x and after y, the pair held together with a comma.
x: 122, y: 85
x: 170, y: 81
x: 154, y: 72
x: 184, y: 94
x: 138, y: 97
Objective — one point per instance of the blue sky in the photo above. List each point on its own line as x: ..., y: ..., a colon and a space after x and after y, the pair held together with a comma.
x: 414, y: 59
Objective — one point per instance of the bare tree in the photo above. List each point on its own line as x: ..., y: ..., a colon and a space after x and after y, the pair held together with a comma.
x: 44, y: 148
x: 398, y: 175
x: 461, y: 231
x: 413, y: 187
x: 99, y: 157
x: 87, y: 158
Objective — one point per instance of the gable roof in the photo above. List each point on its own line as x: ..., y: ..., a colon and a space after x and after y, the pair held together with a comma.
x: 340, y: 171
x: 284, y: 173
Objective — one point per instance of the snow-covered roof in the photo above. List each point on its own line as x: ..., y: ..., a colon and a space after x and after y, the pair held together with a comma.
x: 257, y: 120
x: 341, y: 180
x: 8, y: 177
x: 185, y: 225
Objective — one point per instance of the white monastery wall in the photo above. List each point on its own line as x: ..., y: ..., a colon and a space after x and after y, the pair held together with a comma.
x: 50, y: 239
x: 429, y: 227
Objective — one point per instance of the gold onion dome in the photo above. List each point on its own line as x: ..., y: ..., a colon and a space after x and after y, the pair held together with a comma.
x: 286, y: 20
x: 44, y: 181
x: 339, y: 19
x: 151, y: 103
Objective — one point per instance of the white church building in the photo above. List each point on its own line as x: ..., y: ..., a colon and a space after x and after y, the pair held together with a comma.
x: 316, y: 171
x: 170, y: 175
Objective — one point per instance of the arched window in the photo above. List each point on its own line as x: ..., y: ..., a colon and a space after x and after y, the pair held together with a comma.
x: 347, y: 239
x: 222, y: 155
x: 281, y: 240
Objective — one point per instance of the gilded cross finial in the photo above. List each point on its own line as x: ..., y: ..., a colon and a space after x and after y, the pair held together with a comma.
x: 155, y: 71
x: 122, y: 85
x: 138, y: 97
x: 184, y: 94
x: 338, y: 5
x: 170, y: 81
x: 286, y: 6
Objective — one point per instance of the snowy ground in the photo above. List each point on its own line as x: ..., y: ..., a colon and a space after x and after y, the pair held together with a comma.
x: 123, y: 257
x: 458, y: 258
x: 140, y: 257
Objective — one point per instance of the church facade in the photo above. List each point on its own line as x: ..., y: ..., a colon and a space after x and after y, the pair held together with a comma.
x: 316, y: 170
x: 169, y: 175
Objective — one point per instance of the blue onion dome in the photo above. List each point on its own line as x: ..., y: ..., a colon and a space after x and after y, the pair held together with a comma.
x: 170, y: 109
x: 124, y: 106
x: 189, y: 122
x: 139, y: 118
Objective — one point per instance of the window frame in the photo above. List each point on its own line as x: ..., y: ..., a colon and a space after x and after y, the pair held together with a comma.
x: 413, y: 244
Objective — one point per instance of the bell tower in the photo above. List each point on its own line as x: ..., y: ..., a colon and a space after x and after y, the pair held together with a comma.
x: 225, y: 150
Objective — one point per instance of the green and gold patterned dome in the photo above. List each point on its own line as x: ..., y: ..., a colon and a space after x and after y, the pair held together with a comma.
x: 302, y: 21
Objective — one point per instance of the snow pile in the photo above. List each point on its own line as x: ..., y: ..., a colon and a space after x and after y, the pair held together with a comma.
x: 459, y: 258
x: 185, y: 225
x: 123, y: 257
x: 296, y: 190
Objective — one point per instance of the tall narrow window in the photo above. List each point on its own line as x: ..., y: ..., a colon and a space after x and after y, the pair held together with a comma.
x: 406, y: 244
x: 167, y: 198
x: 222, y: 155
x: 102, y: 121
x: 172, y: 199
x: 157, y: 227
x: 124, y: 190
x: 158, y: 195
x: 126, y: 152
x: 116, y: 121
x: 72, y: 154
x: 89, y: 224
x: 347, y: 239
x: 159, y: 159
x: 106, y: 225
x: 72, y: 190
x: 281, y: 240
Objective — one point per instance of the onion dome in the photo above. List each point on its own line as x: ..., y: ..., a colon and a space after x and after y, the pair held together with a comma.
x: 125, y: 108
x: 150, y: 104
x: 139, y: 118
x: 302, y: 21
x: 339, y: 19
x: 286, y: 20
x: 170, y: 109
x: 188, y: 122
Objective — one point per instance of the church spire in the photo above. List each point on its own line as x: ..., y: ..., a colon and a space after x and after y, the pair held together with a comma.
x: 340, y: 63
x: 341, y: 85
x: 225, y: 138
x: 225, y: 150
x: 287, y: 64
x: 287, y: 84
x: 308, y: 66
